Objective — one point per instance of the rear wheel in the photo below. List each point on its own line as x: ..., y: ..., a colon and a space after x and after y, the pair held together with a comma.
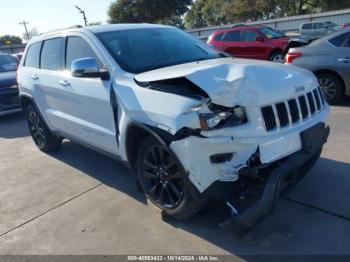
x: 332, y: 87
x: 42, y: 136
x: 164, y: 182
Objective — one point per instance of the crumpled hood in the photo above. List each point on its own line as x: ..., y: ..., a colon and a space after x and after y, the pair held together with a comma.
x: 7, y: 79
x: 230, y: 81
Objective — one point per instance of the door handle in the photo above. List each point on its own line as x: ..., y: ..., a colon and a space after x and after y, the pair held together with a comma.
x: 344, y: 60
x: 34, y: 77
x: 64, y: 83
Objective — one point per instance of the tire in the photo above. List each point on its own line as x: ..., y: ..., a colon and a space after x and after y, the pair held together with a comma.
x: 332, y: 87
x: 42, y: 136
x: 277, y: 57
x: 164, y: 181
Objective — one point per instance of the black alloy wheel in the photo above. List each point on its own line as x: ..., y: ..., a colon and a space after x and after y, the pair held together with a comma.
x: 36, y: 129
x: 162, y: 179
x: 44, y: 139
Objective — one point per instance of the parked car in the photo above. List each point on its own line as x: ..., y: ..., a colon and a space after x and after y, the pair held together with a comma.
x: 253, y: 42
x: 188, y: 119
x: 329, y: 59
x: 318, y: 29
x: 9, y: 101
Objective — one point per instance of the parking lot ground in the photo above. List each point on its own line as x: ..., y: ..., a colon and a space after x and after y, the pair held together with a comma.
x: 75, y: 201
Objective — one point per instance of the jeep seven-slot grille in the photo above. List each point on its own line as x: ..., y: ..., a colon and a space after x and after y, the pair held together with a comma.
x: 295, y: 110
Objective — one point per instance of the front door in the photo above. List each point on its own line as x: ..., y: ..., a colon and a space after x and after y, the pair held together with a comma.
x: 253, y: 49
x: 86, y: 105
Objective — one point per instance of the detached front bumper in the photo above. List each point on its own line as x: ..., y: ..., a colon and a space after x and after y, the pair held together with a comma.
x: 9, y: 101
x: 195, y: 153
x: 283, y: 177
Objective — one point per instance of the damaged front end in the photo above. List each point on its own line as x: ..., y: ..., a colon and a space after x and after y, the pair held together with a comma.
x: 206, y: 158
x: 249, y: 139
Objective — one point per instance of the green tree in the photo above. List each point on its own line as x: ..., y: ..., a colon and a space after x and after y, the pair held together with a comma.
x: 217, y: 12
x: 207, y: 13
x: 146, y: 11
x: 195, y: 16
x: 10, y: 39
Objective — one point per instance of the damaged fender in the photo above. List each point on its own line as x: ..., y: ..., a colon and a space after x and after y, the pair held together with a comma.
x: 195, y: 152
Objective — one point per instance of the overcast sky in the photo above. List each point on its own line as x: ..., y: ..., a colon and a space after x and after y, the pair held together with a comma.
x: 46, y: 15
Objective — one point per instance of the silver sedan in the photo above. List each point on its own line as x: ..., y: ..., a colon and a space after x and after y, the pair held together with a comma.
x: 329, y: 59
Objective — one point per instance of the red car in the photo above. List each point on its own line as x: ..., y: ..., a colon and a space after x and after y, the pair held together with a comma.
x: 253, y: 42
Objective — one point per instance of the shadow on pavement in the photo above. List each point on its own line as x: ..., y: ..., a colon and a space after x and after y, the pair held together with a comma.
x: 13, y: 126
x: 290, y: 227
x: 345, y: 102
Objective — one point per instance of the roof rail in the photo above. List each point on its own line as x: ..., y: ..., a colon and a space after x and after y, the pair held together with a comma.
x: 61, y: 29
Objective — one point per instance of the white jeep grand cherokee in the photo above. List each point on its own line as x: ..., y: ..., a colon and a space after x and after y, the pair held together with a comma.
x: 192, y: 122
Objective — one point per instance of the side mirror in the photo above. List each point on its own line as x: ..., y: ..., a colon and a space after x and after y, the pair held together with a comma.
x: 260, y: 39
x: 88, y: 68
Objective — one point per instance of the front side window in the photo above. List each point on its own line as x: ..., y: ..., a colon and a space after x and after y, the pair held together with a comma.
x: 33, y: 55
x: 270, y: 33
x: 341, y: 40
x: 78, y: 48
x: 8, y: 63
x: 141, y: 50
x: 218, y: 37
x: 51, y: 54
x: 249, y: 36
x: 318, y: 25
x: 307, y: 26
x: 233, y: 36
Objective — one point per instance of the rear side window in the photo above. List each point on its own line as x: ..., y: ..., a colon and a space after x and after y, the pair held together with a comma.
x: 33, y: 55
x: 318, y: 25
x: 307, y: 26
x: 218, y: 37
x: 233, y: 36
x: 341, y: 40
x: 51, y: 54
x: 78, y: 48
x: 249, y: 36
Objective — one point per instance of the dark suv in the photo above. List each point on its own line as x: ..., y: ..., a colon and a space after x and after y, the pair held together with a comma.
x: 9, y: 101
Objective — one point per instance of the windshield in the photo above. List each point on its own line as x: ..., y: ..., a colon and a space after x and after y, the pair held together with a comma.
x: 141, y: 50
x: 271, y: 33
x: 8, y: 63
x: 330, y: 24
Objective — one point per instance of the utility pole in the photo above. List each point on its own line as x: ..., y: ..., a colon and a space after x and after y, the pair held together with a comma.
x: 82, y: 12
x: 24, y: 23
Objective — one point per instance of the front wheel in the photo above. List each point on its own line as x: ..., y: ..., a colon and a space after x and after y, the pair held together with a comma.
x: 277, y: 57
x: 42, y: 136
x: 164, y: 182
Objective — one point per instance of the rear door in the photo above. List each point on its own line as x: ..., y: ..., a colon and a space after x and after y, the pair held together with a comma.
x: 46, y: 82
x: 85, y: 102
x: 341, y: 56
x: 233, y: 43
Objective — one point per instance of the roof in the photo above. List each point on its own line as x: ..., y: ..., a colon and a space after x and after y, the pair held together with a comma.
x: 236, y: 28
x: 97, y: 29
x: 117, y: 27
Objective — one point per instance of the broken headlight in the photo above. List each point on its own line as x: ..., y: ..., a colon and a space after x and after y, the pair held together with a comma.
x: 233, y: 117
